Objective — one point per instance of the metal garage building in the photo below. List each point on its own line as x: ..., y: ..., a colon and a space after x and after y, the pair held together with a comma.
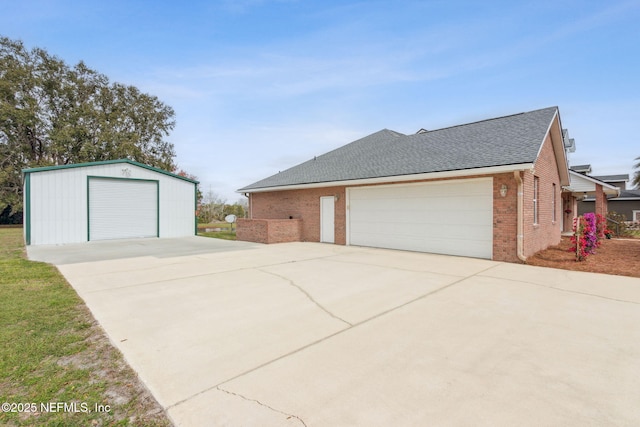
x: 116, y: 199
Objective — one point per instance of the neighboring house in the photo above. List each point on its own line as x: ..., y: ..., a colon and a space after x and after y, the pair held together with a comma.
x: 583, y: 186
x: 626, y: 203
x: 490, y: 189
x: 114, y: 199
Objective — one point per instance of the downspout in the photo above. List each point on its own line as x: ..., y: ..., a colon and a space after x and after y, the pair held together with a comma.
x: 520, y: 219
x: 248, y: 196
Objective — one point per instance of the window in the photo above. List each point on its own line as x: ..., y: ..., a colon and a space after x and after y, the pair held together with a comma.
x: 635, y: 216
x: 553, y: 204
x: 536, y: 184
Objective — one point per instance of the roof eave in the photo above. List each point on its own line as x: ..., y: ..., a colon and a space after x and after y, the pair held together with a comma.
x: 557, y: 142
x: 489, y: 170
x: 108, y: 162
x: 608, y: 189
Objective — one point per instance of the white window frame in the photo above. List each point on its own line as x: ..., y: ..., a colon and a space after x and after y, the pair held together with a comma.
x: 553, y: 204
x: 635, y: 216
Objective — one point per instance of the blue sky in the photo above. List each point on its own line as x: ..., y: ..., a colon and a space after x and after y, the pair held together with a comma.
x: 261, y: 85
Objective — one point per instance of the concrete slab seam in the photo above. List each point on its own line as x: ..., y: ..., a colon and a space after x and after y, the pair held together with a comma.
x: 197, y: 275
x: 262, y: 404
x: 391, y: 267
x: 304, y: 347
x: 307, y: 294
x: 564, y: 290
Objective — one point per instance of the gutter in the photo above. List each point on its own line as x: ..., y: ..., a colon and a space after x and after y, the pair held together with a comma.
x: 520, y: 218
x: 458, y: 173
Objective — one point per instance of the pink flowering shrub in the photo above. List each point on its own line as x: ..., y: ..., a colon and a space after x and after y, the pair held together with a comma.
x: 588, y: 230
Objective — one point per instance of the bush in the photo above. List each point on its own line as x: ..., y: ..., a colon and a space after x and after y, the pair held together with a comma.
x: 620, y: 219
x: 588, y: 230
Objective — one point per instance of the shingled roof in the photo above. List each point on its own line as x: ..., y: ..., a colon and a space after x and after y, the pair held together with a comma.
x: 509, y: 140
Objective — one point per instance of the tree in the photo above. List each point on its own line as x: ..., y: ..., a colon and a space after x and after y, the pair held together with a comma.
x: 235, y: 209
x: 636, y: 175
x: 54, y: 114
x: 211, y: 209
x: 185, y: 174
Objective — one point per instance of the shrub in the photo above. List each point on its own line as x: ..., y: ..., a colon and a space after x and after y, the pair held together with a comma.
x: 588, y: 230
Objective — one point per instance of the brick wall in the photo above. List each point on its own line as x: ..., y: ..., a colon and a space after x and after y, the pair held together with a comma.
x: 546, y: 232
x: 505, y: 218
x: 269, y: 230
x: 252, y: 230
x: 302, y: 204
x: 601, y: 201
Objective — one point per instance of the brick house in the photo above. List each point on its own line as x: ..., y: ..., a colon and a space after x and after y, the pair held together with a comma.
x: 490, y: 189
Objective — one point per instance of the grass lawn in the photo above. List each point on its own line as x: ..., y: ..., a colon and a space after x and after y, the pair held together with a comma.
x: 54, y: 354
x: 226, y: 235
x: 223, y: 225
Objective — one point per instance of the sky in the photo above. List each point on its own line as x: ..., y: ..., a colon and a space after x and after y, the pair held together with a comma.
x: 259, y: 86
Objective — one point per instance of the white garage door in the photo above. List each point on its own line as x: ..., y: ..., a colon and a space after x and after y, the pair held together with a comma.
x: 122, y: 208
x: 446, y: 217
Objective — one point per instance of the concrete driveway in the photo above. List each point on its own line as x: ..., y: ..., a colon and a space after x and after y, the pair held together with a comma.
x: 308, y: 334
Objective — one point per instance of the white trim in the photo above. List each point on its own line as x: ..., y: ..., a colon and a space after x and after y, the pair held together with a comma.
x: 398, y: 178
x: 634, y: 214
x: 536, y: 204
x: 590, y: 179
x: 332, y: 203
x: 347, y: 215
x: 554, y: 215
x: 547, y: 133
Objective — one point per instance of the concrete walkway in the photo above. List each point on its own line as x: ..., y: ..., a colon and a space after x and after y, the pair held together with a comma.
x: 321, y: 335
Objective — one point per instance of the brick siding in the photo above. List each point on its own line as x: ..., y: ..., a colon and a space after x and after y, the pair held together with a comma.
x: 304, y: 204
x: 269, y: 230
x: 546, y: 232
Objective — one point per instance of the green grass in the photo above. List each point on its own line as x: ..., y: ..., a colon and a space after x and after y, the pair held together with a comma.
x: 633, y: 233
x: 51, y: 349
x: 223, y: 225
x: 226, y: 235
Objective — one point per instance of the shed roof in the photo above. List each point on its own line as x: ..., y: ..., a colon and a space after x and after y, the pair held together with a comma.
x: 107, y: 162
x: 509, y: 140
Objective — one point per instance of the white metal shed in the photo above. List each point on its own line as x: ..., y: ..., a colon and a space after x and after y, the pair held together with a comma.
x: 115, y: 199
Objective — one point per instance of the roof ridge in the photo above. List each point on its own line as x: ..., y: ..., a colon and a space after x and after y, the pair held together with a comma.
x: 486, y: 120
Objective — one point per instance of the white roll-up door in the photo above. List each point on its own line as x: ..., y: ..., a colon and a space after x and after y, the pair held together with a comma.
x: 445, y: 217
x: 122, y: 208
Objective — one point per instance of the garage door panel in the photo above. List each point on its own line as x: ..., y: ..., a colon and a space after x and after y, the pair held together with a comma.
x: 453, y: 217
x: 122, y: 208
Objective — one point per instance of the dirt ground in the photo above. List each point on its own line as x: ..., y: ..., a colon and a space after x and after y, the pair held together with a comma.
x: 614, y: 256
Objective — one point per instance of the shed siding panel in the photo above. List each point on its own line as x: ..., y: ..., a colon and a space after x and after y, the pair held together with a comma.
x: 58, y: 207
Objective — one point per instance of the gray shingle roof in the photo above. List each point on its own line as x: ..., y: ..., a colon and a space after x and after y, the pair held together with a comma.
x: 624, y: 195
x: 607, y: 178
x: 500, y: 141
